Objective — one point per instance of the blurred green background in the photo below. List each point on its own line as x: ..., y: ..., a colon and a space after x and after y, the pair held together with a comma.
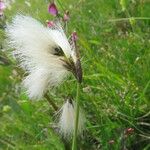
x: 114, y: 41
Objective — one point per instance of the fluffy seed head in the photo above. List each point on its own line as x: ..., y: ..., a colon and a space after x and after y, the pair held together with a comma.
x: 44, y: 52
x: 67, y: 119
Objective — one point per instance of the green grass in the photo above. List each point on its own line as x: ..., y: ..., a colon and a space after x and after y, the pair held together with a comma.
x: 116, y: 66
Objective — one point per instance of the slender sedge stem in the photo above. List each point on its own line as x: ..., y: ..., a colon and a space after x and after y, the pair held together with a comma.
x: 74, y: 141
x: 66, y: 27
x: 51, y: 102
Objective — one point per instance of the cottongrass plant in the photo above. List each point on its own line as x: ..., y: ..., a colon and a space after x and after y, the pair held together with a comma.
x: 44, y: 53
x: 48, y: 57
x: 67, y: 116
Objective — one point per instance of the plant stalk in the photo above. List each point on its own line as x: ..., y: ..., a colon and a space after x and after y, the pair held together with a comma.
x: 74, y: 141
x: 51, y: 102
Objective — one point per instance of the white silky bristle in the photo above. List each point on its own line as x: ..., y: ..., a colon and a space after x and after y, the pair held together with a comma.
x: 33, y: 45
x: 67, y: 120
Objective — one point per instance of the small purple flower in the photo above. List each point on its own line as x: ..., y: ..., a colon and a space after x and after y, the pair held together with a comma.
x: 52, y: 9
x: 66, y: 16
x: 74, y: 36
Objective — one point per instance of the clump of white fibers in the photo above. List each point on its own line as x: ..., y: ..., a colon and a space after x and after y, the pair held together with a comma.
x: 67, y: 119
x: 38, y: 49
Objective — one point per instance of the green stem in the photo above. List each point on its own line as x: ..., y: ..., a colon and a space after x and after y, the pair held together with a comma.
x: 74, y: 141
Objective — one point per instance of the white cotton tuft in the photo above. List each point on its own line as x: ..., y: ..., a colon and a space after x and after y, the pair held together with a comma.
x: 33, y: 46
x: 67, y: 120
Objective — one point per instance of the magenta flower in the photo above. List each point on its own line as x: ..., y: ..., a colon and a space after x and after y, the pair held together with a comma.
x: 52, y: 9
x: 74, y: 36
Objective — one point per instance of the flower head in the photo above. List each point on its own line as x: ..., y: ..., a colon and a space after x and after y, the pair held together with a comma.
x: 67, y: 119
x: 44, y: 53
x: 52, y: 9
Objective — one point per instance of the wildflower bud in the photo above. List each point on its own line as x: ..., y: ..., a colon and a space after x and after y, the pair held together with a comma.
x: 129, y: 131
x: 66, y: 16
x: 50, y: 23
x: 52, y: 9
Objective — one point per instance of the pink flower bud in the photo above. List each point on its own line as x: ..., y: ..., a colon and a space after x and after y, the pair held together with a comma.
x: 52, y: 9
x: 74, y: 36
x: 66, y: 16
x: 50, y: 24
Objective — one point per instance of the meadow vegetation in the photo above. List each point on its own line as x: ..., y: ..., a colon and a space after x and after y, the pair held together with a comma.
x: 114, y: 41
